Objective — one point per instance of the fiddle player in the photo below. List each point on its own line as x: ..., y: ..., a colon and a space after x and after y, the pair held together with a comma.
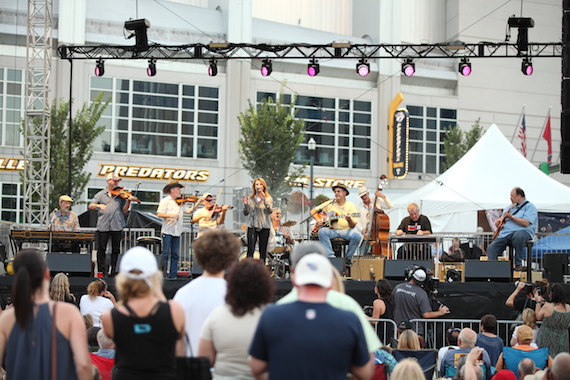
x: 64, y: 220
x: 414, y: 224
x: 110, y: 221
x: 344, y: 218
x: 171, y: 212
x: 207, y: 217
x: 366, y: 213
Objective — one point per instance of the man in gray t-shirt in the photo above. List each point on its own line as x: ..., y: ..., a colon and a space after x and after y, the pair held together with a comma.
x: 412, y: 302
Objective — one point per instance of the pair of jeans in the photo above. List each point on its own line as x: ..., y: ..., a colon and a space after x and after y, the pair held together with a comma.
x: 253, y: 235
x: 353, y: 236
x: 170, y: 249
x: 518, y: 238
x: 103, y: 239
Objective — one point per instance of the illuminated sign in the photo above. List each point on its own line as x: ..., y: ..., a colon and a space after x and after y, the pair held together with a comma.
x: 401, y: 140
x: 12, y: 163
x: 330, y: 182
x: 145, y: 172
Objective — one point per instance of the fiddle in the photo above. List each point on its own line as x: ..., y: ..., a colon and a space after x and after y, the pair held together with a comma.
x: 189, y: 199
x: 121, y: 192
x: 219, y: 208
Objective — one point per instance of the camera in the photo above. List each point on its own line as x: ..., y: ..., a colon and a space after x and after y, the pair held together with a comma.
x: 423, y: 277
x: 368, y: 310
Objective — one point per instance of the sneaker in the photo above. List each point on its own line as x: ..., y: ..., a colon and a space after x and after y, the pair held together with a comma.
x: 348, y: 263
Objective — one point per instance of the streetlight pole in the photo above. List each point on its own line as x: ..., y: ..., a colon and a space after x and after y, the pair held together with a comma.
x: 312, y: 146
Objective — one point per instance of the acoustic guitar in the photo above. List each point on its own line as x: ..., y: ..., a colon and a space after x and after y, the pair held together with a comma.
x: 325, y: 221
x: 503, y: 221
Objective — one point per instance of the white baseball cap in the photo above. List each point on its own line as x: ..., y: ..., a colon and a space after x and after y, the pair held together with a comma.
x: 138, y: 259
x: 314, y: 269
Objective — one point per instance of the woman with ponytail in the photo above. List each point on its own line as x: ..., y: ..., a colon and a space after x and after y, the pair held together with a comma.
x: 27, y: 350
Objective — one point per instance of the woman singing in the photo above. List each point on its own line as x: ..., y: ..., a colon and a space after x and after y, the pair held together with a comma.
x: 258, y: 206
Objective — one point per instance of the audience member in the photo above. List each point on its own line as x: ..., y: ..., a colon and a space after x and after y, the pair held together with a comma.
x: 555, y: 317
x: 104, y: 358
x: 469, y: 368
x: 408, y: 369
x: 560, y: 367
x: 504, y: 374
x: 26, y: 329
x: 144, y: 326
x: 92, y: 338
x: 215, y: 252
x: 526, y: 367
x: 466, y: 341
x: 524, y: 338
x: 408, y: 340
x: 384, y: 356
x: 525, y: 295
x: 488, y: 338
x: 383, y: 308
x: 59, y: 290
x: 338, y: 284
x: 88, y: 320
x: 529, y: 319
x: 304, y: 332
x: 228, y: 330
x: 96, y: 301
x: 451, y: 340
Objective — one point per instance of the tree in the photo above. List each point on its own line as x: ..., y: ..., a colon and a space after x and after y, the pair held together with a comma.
x: 270, y: 137
x: 456, y: 142
x: 84, y: 134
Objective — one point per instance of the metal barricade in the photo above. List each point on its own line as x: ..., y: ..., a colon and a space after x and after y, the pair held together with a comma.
x: 385, y: 329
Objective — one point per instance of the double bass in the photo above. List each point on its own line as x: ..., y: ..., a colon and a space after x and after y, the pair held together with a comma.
x: 380, y: 228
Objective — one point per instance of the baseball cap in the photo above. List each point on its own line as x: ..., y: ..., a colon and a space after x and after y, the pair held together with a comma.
x: 138, y: 259
x: 524, y: 333
x: 306, y: 248
x: 206, y: 195
x: 314, y: 269
x: 362, y: 190
x: 113, y: 176
x: 505, y: 374
x: 65, y: 198
x: 405, y: 325
x: 419, y: 275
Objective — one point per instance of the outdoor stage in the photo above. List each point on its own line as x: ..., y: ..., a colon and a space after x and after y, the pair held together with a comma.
x: 469, y: 300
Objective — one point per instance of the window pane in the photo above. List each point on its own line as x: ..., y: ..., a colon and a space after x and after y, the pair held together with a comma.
x: 416, y: 123
x: 207, y: 130
x: 431, y: 164
x: 207, y: 148
x: 188, y: 90
x: 431, y: 148
x: 208, y: 105
x: 448, y: 114
x: 9, y: 189
x: 431, y: 112
x: 208, y: 92
x: 362, y: 118
x: 415, y: 110
x: 324, y: 157
x: 362, y: 106
x: 343, y: 155
x: 209, y: 118
x: 265, y: 95
x: 361, y: 143
x: 361, y: 159
x: 415, y: 163
x: 187, y: 147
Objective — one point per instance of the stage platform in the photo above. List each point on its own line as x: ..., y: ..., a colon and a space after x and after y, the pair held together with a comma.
x: 465, y: 300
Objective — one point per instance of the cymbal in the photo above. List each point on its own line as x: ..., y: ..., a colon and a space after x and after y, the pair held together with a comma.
x: 243, y: 227
x: 289, y: 223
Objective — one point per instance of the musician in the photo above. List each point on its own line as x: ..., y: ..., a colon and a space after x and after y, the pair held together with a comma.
x: 342, y: 227
x: 367, y: 212
x: 414, y: 224
x: 206, y: 218
x: 282, y: 231
x: 519, y: 222
x: 110, y: 222
x: 258, y: 208
x: 64, y: 220
x: 171, y: 213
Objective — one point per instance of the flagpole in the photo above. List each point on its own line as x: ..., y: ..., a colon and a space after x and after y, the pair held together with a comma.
x: 541, y: 133
x: 518, y: 124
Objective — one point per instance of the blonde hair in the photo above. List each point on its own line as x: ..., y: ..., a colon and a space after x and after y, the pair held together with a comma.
x: 129, y: 288
x: 409, y: 340
x: 529, y: 318
x: 413, y: 206
x: 59, y: 290
x: 338, y: 285
x: 95, y: 288
x: 263, y: 183
x: 408, y: 369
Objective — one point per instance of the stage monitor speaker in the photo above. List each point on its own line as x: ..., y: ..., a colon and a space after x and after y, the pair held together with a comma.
x: 555, y: 266
x: 339, y: 263
x: 367, y: 268
x: 394, y: 269
x: 74, y: 265
x: 496, y: 271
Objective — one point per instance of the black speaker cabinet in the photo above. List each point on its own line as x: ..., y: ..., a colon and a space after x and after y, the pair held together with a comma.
x: 395, y: 269
x: 71, y: 264
x: 339, y: 263
x: 555, y: 266
x: 496, y: 271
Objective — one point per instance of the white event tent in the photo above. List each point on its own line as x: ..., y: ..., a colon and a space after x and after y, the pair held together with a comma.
x: 481, y: 180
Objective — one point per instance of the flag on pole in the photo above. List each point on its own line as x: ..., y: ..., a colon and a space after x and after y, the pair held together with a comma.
x: 522, y: 135
x: 548, y: 137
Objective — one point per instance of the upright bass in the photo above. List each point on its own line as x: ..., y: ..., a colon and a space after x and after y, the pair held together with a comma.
x: 380, y: 227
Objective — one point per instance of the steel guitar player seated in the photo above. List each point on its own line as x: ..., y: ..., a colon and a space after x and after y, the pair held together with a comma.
x: 341, y: 223
x: 415, y: 224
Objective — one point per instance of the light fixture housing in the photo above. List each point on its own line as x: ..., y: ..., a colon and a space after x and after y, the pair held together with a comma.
x: 409, y: 67
x: 464, y: 67
x: 526, y: 66
x: 363, y: 68
x: 266, y: 68
x: 139, y: 31
x: 313, y: 68
x: 151, y: 70
x: 213, y: 68
x: 100, y: 68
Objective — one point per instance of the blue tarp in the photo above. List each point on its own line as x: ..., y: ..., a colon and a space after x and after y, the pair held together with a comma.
x: 553, y: 243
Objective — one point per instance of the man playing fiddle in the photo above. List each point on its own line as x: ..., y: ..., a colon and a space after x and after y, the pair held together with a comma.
x: 343, y: 214
x: 64, y: 220
x: 208, y: 218
x: 171, y: 212
x: 111, y: 220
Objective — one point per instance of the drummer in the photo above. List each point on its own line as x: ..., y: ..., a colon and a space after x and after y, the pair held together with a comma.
x: 284, y: 238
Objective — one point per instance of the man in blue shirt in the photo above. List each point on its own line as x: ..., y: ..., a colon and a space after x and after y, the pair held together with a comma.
x: 519, y: 221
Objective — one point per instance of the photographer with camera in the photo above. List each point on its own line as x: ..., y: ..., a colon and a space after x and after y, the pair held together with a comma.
x: 525, y: 295
x: 411, y: 299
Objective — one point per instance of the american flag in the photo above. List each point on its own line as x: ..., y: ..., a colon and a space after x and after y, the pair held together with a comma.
x: 522, y: 135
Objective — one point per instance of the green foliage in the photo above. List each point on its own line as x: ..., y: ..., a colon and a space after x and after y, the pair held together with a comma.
x: 270, y: 136
x: 321, y: 198
x: 298, y: 200
x: 456, y: 142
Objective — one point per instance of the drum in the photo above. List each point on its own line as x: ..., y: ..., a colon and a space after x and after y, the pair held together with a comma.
x: 279, y: 242
x: 243, y: 239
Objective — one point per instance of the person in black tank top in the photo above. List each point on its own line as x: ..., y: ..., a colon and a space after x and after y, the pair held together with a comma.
x: 384, y: 309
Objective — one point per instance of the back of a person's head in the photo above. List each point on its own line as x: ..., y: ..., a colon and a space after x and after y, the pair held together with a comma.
x: 216, y: 250
x: 467, y: 338
x: 408, y: 369
x: 306, y: 248
x: 489, y: 323
x: 29, y: 274
x: 452, y: 335
x: 529, y: 318
x: 96, y: 287
x: 558, y: 294
x: 249, y: 287
x: 384, y: 289
x: 526, y: 367
x: 92, y: 336
x: 103, y: 340
x: 560, y: 367
x: 88, y: 320
x: 59, y: 288
x: 409, y: 340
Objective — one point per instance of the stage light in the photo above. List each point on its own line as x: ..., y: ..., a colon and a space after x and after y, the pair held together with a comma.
x: 151, y: 70
x: 313, y: 68
x: 266, y: 68
x: 464, y: 67
x: 526, y: 66
x: 139, y: 28
x: 409, y: 67
x: 100, y: 68
x: 213, y: 68
x: 363, y: 68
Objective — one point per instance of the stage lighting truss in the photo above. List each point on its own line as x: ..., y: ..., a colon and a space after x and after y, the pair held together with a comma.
x: 313, y: 68
x: 151, y: 70
x: 409, y: 67
x: 266, y: 68
x: 526, y: 66
x: 363, y: 67
x: 464, y: 67
x: 213, y: 68
x: 100, y: 68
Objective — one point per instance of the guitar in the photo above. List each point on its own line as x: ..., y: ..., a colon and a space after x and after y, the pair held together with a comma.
x: 503, y: 221
x: 327, y: 220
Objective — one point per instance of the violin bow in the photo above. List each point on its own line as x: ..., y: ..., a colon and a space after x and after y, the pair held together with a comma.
x: 217, y: 198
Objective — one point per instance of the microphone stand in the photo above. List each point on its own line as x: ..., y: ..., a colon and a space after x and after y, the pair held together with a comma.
x: 50, y: 229
x: 129, y: 219
x: 190, y: 273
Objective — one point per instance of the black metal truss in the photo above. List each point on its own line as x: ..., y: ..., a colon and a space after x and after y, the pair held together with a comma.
x: 225, y: 51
